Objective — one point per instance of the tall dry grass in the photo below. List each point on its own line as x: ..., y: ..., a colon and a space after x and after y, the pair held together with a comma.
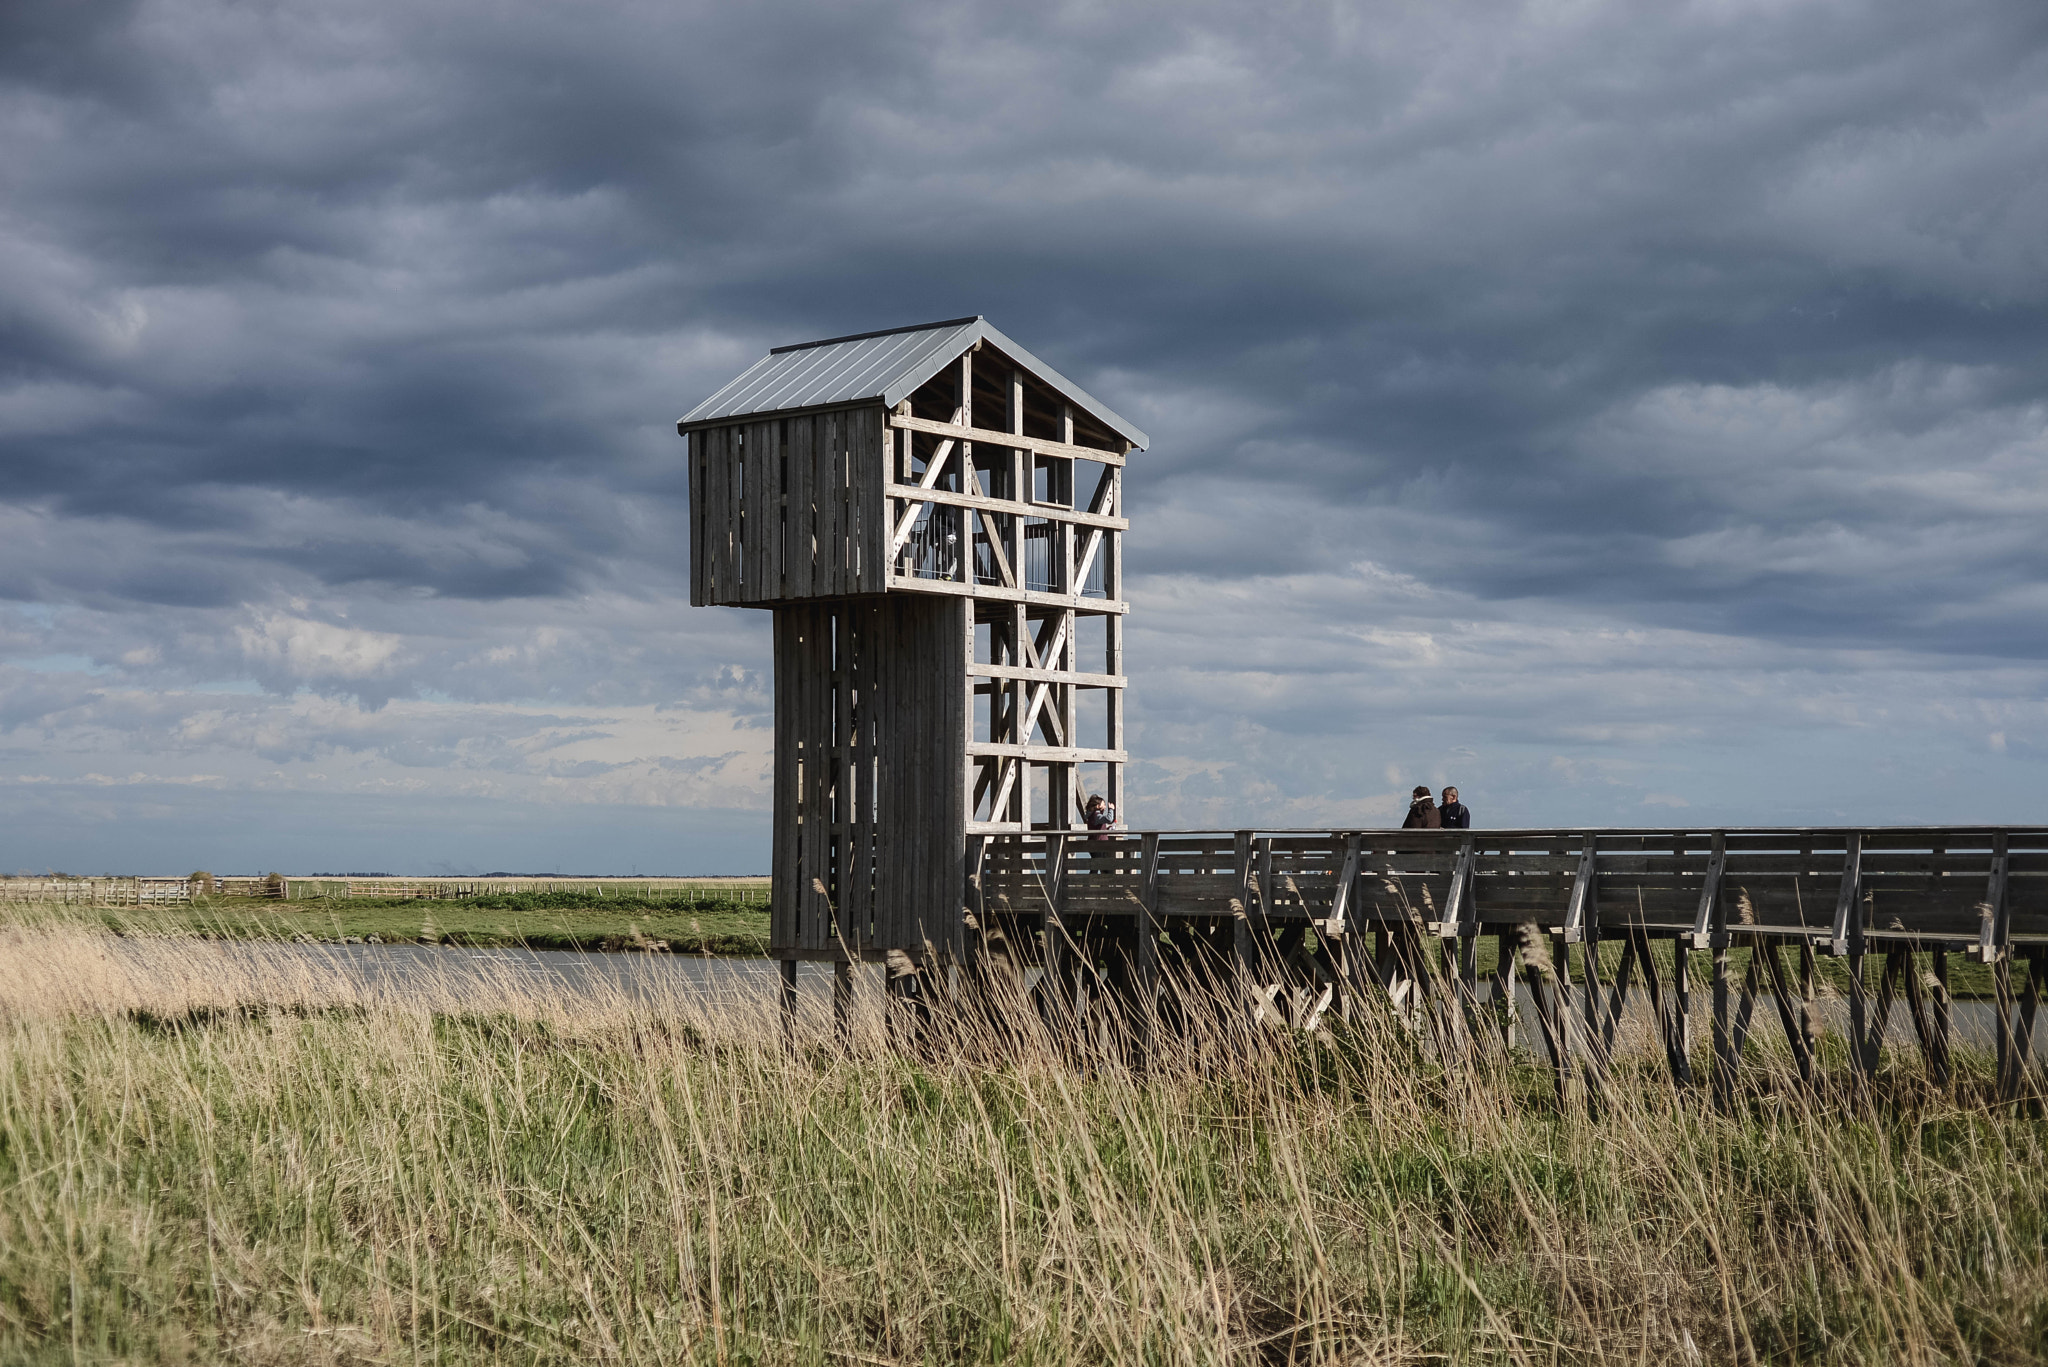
x: 231, y: 1153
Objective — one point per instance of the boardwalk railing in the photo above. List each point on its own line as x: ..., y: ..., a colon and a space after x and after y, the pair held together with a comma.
x: 1306, y: 922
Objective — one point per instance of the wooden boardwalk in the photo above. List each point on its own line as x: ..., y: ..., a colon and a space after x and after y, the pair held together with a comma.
x: 1303, y: 923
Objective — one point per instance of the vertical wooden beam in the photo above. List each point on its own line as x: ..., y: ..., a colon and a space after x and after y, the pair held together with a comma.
x: 1113, y: 632
x: 1991, y: 935
x: 1060, y: 481
x: 2030, y: 1001
x: 845, y: 773
x: 1336, y: 935
x: 1553, y: 1000
x: 842, y: 999
x: 977, y: 907
x: 1505, y: 1002
x: 1681, y: 1001
x: 1020, y: 486
x: 1845, y: 937
x: 1727, y: 1053
x: 1781, y: 994
x: 1944, y: 1021
x: 1070, y: 657
x: 1148, y: 939
x: 1057, y: 995
x: 1710, y: 892
x: 1582, y: 909
x: 1848, y: 900
x: 1263, y: 954
x: 1458, y: 918
x: 1916, y: 1004
x: 787, y: 999
x: 1241, y: 941
x: 964, y: 416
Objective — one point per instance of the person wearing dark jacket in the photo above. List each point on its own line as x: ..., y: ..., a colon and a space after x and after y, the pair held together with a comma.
x: 1422, y: 814
x: 1455, y: 815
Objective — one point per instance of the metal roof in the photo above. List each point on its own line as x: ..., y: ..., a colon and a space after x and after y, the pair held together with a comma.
x: 884, y: 366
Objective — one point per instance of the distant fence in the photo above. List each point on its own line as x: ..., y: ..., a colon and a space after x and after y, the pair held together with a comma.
x: 130, y: 892
x: 742, y: 890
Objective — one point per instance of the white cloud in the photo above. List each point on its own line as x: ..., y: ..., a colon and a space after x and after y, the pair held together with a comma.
x: 309, y: 650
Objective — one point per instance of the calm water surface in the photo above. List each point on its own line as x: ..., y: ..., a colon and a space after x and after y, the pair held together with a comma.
x: 397, y: 971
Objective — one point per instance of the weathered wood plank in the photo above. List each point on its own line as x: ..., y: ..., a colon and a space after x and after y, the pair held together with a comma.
x: 1014, y: 440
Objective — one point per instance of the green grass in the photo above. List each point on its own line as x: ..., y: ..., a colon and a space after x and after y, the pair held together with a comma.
x: 203, y: 1161
x: 551, y: 920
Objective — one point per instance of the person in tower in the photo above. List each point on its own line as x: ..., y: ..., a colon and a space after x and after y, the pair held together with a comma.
x: 1097, y: 814
x: 1422, y: 812
x: 1456, y: 815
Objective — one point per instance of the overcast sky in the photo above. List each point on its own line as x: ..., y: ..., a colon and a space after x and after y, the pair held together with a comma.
x: 1633, y: 414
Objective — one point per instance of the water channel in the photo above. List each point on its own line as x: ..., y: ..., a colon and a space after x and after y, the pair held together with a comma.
x: 452, y: 977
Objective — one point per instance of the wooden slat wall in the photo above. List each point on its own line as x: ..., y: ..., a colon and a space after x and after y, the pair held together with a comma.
x: 788, y: 509
x: 869, y: 782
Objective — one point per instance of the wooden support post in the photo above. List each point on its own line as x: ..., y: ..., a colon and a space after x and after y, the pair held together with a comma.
x: 1458, y: 930
x: 787, y: 998
x: 1898, y: 968
x: 907, y: 999
x: 1504, y: 1001
x: 2003, y: 1004
x: 1752, y: 979
x: 1727, y: 1053
x: 1781, y: 994
x: 1056, y: 990
x: 1606, y: 1016
x: 1943, y: 1013
x: 1335, y: 934
x: 1468, y: 987
x: 1551, y: 994
x: 964, y: 417
x: 1846, y: 938
x: 1113, y: 635
x: 1709, y: 914
x: 1594, y: 988
x: 2030, y: 1001
x: 1148, y: 940
x: 1916, y: 1003
x: 1243, y: 954
x: 1583, y: 907
x: 1844, y: 933
x: 975, y: 941
x: 842, y: 1000
x: 1991, y: 935
x: 1681, y: 1004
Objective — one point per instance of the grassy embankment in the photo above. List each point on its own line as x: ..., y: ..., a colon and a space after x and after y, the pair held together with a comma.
x: 685, y: 922
x: 206, y: 1157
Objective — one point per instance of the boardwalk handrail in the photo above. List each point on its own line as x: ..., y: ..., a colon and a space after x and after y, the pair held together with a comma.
x: 1300, y: 906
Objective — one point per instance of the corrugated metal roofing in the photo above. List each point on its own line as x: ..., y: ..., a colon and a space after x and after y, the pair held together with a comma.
x: 884, y: 366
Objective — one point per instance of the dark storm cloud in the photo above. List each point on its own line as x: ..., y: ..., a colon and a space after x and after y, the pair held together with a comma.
x: 339, y: 348
x: 348, y: 257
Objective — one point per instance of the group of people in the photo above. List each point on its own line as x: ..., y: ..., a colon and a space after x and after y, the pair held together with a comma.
x: 1425, y: 815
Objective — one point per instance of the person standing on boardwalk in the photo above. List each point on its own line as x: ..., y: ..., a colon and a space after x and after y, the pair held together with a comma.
x: 1422, y: 813
x: 1456, y: 815
x: 1098, y: 815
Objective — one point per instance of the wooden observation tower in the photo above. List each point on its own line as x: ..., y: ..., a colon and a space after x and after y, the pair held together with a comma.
x: 935, y: 518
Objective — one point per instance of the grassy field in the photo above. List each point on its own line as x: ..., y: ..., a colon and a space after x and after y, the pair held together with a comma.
x: 210, y: 1157
x: 551, y: 920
